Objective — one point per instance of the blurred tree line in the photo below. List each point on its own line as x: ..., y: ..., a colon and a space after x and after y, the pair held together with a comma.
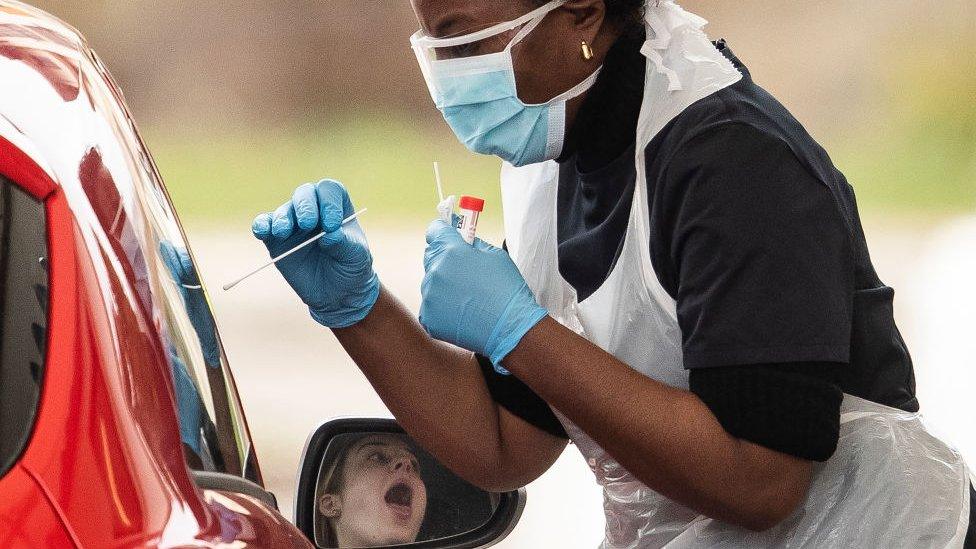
x: 314, y: 87
x: 830, y: 60
x: 180, y: 59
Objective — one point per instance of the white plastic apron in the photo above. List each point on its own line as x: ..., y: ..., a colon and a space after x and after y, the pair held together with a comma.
x: 889, y: 484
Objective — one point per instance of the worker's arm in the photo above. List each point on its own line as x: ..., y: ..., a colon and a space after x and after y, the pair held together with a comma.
x: 439, y: 396
x: 475, y: 297
x: 664, y: 436
x: 435, y: 390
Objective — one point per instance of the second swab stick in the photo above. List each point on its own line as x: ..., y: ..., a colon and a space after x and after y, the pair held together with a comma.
x: 278, y: 258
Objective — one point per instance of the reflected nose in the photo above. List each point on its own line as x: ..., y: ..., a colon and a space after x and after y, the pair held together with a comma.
x: 403, y: 464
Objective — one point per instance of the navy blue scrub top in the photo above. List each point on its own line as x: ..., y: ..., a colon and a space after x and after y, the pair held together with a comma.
x: 756, y: 236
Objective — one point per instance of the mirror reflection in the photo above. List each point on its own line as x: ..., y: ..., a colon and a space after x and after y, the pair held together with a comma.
x: 378, y: 489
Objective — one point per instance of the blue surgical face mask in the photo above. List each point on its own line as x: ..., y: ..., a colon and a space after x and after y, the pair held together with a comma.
x: 479, y: 99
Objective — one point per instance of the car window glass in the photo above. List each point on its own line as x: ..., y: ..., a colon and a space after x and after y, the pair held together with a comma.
x: 23, y: 317
x: 135, y: 212
x: 211, y: 420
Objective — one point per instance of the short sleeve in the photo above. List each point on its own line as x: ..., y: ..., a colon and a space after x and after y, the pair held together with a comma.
x: 793, y: 408
x: 516, y: 397
x: 759, y: 256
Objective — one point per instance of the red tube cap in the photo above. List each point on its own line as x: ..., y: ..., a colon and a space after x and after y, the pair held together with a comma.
x: 471, y: 203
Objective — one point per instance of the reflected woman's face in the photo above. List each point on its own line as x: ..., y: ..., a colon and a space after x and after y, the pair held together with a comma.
x: 383, y: 499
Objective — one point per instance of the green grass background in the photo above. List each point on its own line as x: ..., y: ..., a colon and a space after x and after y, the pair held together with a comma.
x: 917, y: 162
x: 384, y: 161
x: 920, y: 158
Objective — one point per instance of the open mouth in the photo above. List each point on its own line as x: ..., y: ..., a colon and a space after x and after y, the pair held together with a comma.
x: 400, y: 497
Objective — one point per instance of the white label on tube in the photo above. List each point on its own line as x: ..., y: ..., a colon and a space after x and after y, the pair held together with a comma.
x: 469, y: 225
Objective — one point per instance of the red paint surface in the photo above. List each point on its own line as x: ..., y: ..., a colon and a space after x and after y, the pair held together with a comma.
x: 104, y: 467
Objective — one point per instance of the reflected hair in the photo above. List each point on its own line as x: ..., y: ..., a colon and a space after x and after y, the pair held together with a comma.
x: 332, y: 481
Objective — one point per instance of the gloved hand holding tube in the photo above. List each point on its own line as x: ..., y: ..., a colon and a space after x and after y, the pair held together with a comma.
x: 473, y: 296
x: 335, y: 277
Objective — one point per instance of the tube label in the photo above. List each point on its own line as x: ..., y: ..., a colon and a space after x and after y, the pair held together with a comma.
x: 468, y: 226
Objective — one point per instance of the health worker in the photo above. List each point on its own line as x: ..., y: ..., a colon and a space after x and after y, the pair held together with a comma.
x: 685, y: 293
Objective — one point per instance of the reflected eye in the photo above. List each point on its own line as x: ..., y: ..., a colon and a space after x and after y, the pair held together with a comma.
x: 379, y: 457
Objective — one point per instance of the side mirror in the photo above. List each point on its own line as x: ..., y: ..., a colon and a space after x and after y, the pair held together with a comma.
x: 365, y: 483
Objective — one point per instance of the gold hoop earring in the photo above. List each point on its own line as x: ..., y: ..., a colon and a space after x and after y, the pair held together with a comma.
x: 586, y: 50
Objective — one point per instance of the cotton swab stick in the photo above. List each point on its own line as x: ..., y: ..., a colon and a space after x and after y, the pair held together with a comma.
x: 437, y: 178
x: 274, y: 260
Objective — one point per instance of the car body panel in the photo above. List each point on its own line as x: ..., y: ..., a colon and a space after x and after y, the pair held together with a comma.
x: 27, y: 517
x: 104, y: 467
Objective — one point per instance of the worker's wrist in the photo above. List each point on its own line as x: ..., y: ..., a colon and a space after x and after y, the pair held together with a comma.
x: 521, y: 316
x: 352, y: 310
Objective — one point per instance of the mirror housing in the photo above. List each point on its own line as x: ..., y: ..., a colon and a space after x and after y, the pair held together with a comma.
x: 501, y: 522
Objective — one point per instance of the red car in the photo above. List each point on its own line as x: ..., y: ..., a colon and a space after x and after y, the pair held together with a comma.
x: 105, y: 336
x: 120, y: 425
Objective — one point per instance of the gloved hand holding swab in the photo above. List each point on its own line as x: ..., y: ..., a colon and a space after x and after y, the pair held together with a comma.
x: 278, y: 258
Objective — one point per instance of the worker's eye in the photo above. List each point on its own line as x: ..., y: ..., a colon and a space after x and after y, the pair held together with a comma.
x: 379, y: 457
x: 492, y: 44
x: 454, y: 52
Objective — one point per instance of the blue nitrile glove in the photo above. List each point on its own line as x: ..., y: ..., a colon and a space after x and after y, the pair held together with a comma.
x: 474, y: 296
x: 334, y: 277
x: 188, y: 404
x: 180, y: 266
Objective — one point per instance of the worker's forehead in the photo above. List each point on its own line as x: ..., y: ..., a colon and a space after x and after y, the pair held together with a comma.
x: 441, y: 18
